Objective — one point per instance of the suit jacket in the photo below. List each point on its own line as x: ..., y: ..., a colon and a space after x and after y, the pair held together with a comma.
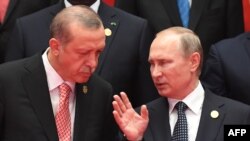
x: 123, y: 62
x: 26, y: 111
x: 16, y: 9
x: 227, y: 68
x: 127, y: 5
x: 210, y: 129
x: 211, y: 20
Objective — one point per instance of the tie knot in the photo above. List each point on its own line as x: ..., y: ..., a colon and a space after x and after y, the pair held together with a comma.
x: 181, y: 106
x: 64, y: 90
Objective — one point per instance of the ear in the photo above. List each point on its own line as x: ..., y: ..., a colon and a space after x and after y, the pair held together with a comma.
x: 54, y: 46
x: 195, y: 61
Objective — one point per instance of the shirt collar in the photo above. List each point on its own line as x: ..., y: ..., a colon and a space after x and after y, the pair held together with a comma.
x: 194, y: 100
x: 94, y: 6
x: 53, y: 78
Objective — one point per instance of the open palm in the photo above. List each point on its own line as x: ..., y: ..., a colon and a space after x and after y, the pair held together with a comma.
x: 130, y: 122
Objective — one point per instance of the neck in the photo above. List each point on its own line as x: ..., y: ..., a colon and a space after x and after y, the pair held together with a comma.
x: 189, y: 88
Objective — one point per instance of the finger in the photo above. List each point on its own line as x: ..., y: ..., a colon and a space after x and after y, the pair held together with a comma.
x: 126, y: 101
x: 118, y: 120
x: 144, y: 112
x: 120, y: 103
x: 117, y: 108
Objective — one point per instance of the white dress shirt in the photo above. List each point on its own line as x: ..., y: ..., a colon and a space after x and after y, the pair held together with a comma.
x: 54, y: 81
x: 194, y: 101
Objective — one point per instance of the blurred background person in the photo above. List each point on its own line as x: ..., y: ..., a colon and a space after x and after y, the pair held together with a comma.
x: 227, y: 69
x: 10, y: 10
x: 211, y: 20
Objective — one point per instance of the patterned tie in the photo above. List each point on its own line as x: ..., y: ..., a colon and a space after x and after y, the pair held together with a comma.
x: 3, y: 8
x: 180, y: 129
x: 63, y: 123
x: 184, y: 7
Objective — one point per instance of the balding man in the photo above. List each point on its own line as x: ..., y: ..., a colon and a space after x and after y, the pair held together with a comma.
x: 55, y: 96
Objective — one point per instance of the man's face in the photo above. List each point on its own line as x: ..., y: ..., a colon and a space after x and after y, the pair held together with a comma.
x: 170, y: 70
x: 78, y: 59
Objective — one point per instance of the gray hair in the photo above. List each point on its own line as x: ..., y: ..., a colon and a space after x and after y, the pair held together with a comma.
x: 80, y: 14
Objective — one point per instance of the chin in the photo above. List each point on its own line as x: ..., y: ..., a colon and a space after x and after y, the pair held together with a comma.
x: 82, y: 80
x: 163, y: 93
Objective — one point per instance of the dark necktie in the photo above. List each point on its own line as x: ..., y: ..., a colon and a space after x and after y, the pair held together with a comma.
x: 184, y: 7
x: 180, y: 129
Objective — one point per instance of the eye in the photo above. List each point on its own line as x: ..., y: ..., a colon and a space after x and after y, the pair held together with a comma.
x: 83, y: 52
x: 162, y: 62
x: 165, y: 62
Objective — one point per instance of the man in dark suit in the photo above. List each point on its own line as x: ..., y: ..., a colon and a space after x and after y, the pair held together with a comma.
x: 123, y: 62
x: 226, y: 70
x: 176, y: 57
x: 16, y: 9
x: 30, y: 101
x: 211, y: 20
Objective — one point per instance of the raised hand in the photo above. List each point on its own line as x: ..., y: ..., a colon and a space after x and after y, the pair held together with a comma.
x: 130, y: 122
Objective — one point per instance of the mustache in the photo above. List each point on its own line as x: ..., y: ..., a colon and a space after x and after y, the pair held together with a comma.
x: 86, y: 69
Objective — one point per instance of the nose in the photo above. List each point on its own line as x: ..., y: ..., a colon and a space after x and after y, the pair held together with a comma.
x: 92, y: 61
x: 155, y: 71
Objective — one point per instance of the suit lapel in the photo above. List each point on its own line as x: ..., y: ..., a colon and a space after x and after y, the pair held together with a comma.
x: 246, y: 44
x: 196, y: 12
x: 159, y: 121
x: 111, y: 23
x: 37, y: 89
x: 172, y: 11
x: 209, y: 126
x: 53, y: 11
x: 83, y: 101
